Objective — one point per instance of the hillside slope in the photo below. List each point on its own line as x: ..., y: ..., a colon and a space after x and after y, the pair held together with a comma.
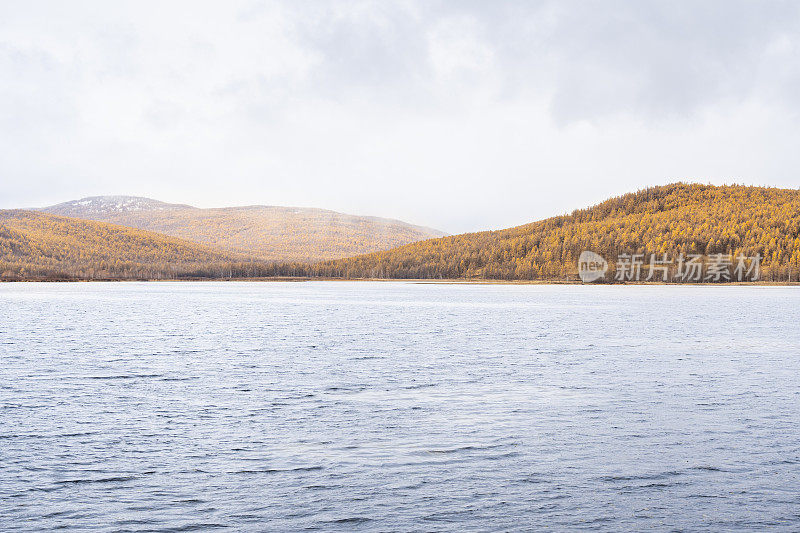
x: 37, y: 245
x: 671, y: 219
x: 271, y: 233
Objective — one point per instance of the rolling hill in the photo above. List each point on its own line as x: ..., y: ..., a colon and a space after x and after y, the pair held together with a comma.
x: 678, y: 219
x: 673, y: 219
x: 266, y: 232
x: 41, y: 246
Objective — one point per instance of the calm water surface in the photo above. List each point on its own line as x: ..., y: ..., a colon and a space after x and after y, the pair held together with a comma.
x: 398, y: 407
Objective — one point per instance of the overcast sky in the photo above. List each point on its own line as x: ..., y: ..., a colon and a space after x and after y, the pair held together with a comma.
x: 459, y: 115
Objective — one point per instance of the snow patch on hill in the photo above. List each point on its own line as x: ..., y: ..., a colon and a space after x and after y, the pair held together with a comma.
x: 105, y: 205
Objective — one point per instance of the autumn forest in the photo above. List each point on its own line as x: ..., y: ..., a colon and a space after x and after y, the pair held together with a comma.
x: 678, y: 220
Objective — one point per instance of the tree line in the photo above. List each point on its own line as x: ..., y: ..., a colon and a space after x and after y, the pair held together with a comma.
x: 678, y: 220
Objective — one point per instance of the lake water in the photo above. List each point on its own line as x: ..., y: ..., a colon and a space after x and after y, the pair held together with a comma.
x: 398, y: 407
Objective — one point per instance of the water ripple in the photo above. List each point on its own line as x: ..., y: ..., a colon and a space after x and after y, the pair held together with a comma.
x: 398, y: 407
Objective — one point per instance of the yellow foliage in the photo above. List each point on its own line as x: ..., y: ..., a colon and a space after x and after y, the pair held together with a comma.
x: 671, y: 219
x: 270, y: 233
x: 37, y: 245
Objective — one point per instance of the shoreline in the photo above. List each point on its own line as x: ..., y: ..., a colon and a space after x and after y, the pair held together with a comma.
x: 417, y: 281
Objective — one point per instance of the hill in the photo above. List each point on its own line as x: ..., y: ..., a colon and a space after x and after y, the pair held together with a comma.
x: 41, y: 246
x: 100, y: 207
x: 678, y: 220
x: 673, y: 219
x: 268, y: 232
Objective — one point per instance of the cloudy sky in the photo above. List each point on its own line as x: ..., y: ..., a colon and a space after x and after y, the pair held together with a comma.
x: 462, y: 115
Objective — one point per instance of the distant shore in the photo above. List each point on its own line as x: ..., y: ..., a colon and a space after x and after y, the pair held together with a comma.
x: 419, y: 281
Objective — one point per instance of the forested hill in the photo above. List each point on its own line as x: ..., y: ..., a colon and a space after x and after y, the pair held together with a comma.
x: 41, y: 246
x: 671, y: 219
x: 271, y: 233
x: 679, y: 219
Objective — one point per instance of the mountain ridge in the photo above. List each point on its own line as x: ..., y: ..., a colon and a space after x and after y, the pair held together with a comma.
x: 679, y: 218
x: 267, y: 232
x: 107, y: 203
x: 35, y: 245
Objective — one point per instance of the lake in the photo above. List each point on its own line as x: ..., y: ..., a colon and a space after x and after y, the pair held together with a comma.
x: 388, y: 406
